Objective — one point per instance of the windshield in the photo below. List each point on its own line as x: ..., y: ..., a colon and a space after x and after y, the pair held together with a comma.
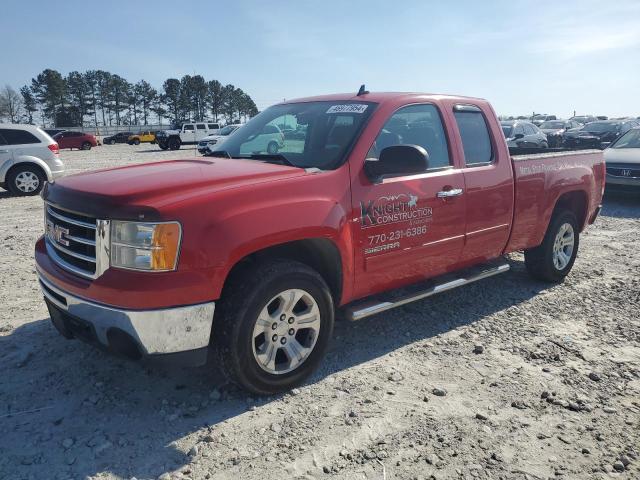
x: 226, y: 130
x: 631, y: 139
x: 552, y: 124
x: 507, y: 129
x: 599, y: 127
x: 331, y: 129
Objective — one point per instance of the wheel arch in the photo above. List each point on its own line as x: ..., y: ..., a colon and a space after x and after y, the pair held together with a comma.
x: 575, y: 201
x: 36, y: 162
x: 320, y: 254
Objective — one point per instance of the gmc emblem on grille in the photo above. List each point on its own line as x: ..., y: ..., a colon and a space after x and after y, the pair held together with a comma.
x: 57, y: 233
x: 625, y: 172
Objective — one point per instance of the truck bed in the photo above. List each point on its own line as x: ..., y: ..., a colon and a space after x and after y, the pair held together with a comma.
x: 541, y: 179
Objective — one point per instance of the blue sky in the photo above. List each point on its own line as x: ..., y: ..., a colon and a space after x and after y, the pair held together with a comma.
x: 549, y: 57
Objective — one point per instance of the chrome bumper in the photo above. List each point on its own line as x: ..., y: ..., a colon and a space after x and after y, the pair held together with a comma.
x: 163, y: 331
x: 616, y: 180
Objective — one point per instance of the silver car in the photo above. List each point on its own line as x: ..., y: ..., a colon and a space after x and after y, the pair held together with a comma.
x: 29, y: 157
x: 623, y: 161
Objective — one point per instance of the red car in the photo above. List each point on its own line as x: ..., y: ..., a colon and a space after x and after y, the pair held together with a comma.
x: 79, y: 140
x: 387, y: 199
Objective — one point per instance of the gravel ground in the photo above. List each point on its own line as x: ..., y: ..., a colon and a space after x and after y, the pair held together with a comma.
x: 507, y: 378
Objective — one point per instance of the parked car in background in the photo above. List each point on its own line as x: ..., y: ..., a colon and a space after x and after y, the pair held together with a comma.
x: 188, y: 133
x: 28, y: 158
x: 142, y: 137
x: 79, y: 140
x: 598, y: 134
x: 584, y: 119
x: 120, y: 137
x: 554, y: 130
x: 266, y: 141
x: 216, y: 139
x: 53, y: 131
x: 602, y: 117
x: 521, y: 134
x: 623, y: 161
x: 539, y: 119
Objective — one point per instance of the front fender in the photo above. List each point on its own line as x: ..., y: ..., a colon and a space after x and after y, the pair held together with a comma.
x: 25, y: 159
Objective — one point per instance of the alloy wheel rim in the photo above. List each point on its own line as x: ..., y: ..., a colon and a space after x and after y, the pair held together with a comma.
x: 286, y: 331
x: 27, y: 182
x: 563, y: 246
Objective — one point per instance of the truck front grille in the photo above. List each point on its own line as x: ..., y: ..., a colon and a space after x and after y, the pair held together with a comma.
x: 76, y: 242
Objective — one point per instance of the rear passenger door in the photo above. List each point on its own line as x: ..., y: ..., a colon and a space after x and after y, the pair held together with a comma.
x: 488, y: 179
x: 410, y: 227
x: 5, y: 154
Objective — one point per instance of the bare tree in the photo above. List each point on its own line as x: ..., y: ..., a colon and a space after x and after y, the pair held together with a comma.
x: 10, y: 104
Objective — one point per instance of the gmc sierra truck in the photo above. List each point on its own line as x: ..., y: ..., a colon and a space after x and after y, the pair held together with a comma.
x: 245, y: 258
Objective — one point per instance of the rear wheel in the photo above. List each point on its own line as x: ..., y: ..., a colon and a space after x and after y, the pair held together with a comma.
x: 25, y: 180
x: 554, y: 258
x: 273, y: 326
x: 112, y: 142
x: 136, y: 141
x: 272, y: 148
x: 86, y: 146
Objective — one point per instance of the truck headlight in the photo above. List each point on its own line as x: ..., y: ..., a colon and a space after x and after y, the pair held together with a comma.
x: 145, y: 246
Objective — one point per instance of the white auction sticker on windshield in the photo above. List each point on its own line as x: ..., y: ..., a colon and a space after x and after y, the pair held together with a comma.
x: 348, y: 108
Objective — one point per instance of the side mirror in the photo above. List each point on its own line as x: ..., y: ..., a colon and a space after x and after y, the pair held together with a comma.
x: 397, y: 160
x: 518, y: 136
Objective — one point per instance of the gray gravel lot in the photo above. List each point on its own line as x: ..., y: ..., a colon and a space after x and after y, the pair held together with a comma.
x: 508, y: 378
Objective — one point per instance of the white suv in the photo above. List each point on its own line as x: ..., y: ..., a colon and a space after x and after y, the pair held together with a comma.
x: 28, y: 158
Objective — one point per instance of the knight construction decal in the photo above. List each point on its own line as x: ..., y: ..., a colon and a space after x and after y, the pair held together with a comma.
x: 399, y: 218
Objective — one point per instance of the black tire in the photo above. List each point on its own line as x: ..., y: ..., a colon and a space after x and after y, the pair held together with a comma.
x: 272, y: 148
x: 245, y: 296
x: 163, y: 145
x: 15, y: 180
x: 540, y: 260
x: 136, y: 142
x: 174, y: 144
x: 86, y: 146
x: 112, y: 142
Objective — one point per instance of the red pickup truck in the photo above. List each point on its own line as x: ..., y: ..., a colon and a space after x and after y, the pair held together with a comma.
x: 245, y: 257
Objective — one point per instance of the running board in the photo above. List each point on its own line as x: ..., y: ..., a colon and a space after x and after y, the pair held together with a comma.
x: 367, y: 308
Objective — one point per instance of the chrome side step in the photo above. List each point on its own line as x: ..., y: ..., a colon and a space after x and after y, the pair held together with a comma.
x: 365, y: 309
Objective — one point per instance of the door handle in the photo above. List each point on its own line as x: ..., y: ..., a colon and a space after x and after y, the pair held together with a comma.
x: 454, y: 192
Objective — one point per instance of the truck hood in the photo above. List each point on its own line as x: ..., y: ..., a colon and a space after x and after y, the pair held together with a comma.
x: 130, y: 191
x: 622, y: 155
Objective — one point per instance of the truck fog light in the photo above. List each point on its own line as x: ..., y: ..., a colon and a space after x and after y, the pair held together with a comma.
x: 145, y: 246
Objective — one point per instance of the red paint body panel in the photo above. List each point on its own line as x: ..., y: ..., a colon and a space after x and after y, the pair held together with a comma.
x: 76, y: 141
x: 229, y: 209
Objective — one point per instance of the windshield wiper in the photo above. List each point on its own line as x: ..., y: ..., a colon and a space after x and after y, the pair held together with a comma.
x: 220, y: 153
x: 272, y: 158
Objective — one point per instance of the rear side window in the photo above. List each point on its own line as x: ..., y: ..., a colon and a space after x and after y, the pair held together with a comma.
x: 474, y: 132
x: 415, y: 125
x: 213, y: 126
x: 201, y: 126
x: 18, y: 137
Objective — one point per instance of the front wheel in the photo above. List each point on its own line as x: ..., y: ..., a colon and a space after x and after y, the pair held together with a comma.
x: 136, y: 142
x: 273, y: 326
x: 163, y: 145
x: 554, y: 258
x: 86, y: 146
x: 25, y: 180
x: 112, y: 142
x: 174, y: 144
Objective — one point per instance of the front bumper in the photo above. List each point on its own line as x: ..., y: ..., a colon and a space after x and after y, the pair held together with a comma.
x: 134, y: 333
x: 623, y: 181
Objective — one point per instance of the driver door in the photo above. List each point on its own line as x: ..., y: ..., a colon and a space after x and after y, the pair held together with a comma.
x: 410, y: 227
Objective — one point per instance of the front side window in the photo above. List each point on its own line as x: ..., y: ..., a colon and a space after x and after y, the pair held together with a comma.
x: 18, y: 137
x: 201, y: 126
x: 213, y: 126
x: 415, y: 125
x: 474, y: 132
x: 332, y: 127
x: 188, y: 127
